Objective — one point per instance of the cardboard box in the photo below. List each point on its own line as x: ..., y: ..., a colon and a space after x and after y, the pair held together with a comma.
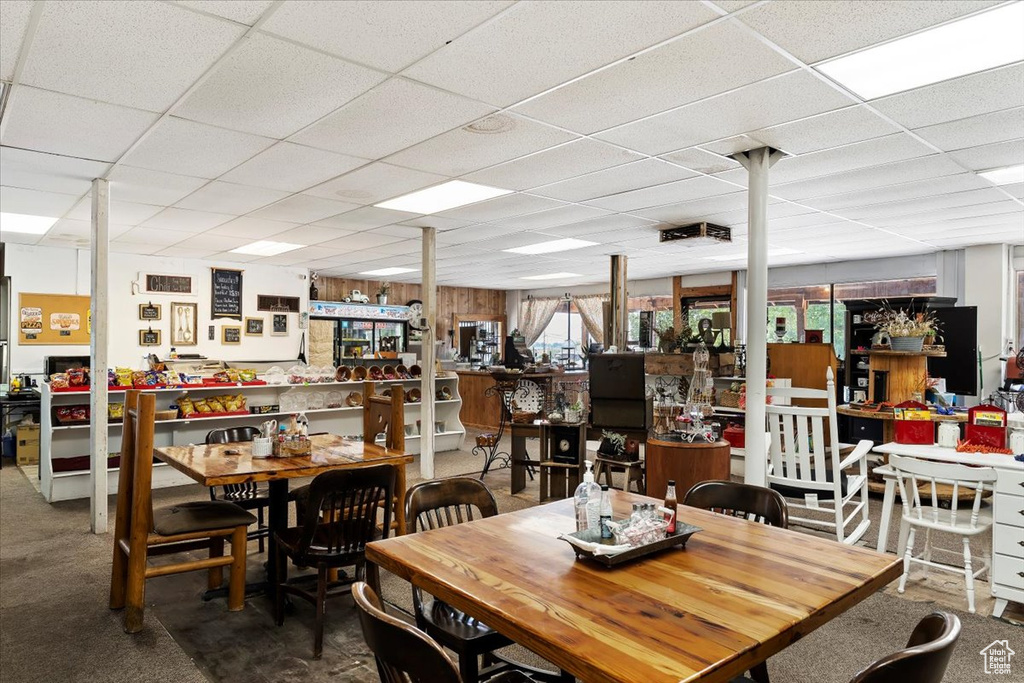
x: 27, y: 445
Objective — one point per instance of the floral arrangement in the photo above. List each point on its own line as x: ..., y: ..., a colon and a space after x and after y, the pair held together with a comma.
x: 900, y: 323
x: 384, y: 289
x: 615, y: 440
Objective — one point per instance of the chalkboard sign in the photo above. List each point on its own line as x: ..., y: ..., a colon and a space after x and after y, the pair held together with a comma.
x: 168, y: 284
x: 149, y: 337
x: 277, y: 304
x: 149, y: 311
x: 280, y: 325
x: 254, y: 326
x: 226, y: 293
x: 231, y: 334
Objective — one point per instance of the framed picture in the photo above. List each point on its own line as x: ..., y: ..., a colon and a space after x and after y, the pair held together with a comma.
x: 280, y: 325
x: 184, y: 319
x: 212, y: 330
x: 277, y: 304
x: 231, y: 334
x: 254, y: 327
x: 150, y: 311
x: 149, y: 337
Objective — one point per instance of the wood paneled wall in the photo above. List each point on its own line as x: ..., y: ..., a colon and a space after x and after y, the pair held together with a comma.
x: 450, y: 300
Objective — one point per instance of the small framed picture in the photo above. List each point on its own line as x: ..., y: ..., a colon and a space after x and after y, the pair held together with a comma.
x: 212, y: 333
x: 254, y: 327
x: 149, y: 337
x: 231, y: 334
x: 280, y: 325
x: 183, y: 323
x: 150, y: 311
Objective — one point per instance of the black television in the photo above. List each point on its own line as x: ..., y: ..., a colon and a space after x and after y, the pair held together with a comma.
x: 958, y: 327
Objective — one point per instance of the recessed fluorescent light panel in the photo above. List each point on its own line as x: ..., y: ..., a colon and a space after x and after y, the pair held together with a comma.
x: 266, y: 248
x: 979, y: 42
x: 26, y: 224
x: 742, y: 257
x: 442, y: 197
x: 552, y: 276
x: 552, y: 246
x: 383, y: 272
x: 1005, y: 176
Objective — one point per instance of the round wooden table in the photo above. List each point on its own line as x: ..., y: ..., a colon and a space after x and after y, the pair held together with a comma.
x: 686, y: 463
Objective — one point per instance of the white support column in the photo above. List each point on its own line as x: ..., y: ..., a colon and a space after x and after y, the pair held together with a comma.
x: 98, y: 307
x: 429, y: 295
x: 757, y: 162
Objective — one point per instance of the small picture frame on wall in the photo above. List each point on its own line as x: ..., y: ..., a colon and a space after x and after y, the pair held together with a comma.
x: 149, y: 337
x: 150, y: 311
x: 254, y: 327
x: 280, y: 325
x: 231, y: 334
x: 184, y: 324
x: 212, y: 331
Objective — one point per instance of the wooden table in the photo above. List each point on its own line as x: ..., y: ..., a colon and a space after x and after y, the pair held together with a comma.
x: 739, y: 593
x: 211, y: 465
x: 686, y: 463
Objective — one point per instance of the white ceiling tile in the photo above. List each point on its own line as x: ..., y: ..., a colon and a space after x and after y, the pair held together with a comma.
x: 761, y: 105
x: 406, y: 248
x: 14, y: 16
x: 733, y: 5
x: 483, y: 143
x: 849, y: 157
x: 701, y: 161
x: 534, y: 46
x: 291, y: 167
x: 194, y: 149
x: 959, y: 98
x: 831, y: 129
x: 73, y: 229
x: 124, y: 213
x: 622, y: 178
x: 995, y: 155
x: 139, y: 54
x: 302, y: 208
x: 361, y: 240
x: 229, y: 198
x: 210, y: 242
x: 709, y: 61
x: 567, y: 161
x: 303, y: 234
x: 374, y: 183
x: 236, y: 258
x: 679, y: 191
x: 869, y: 211
x: 186, y: 252
x: 48, y: 172
x: 72, y: 126
x: 272, y: 87
x: 243, y: 11
x: 619, y: 223
x: 437, y: 222
x: 506, y: 206
x: 365, y: 218
x: 912, y: 190
x: 697, y: 209
x: 400, y: 230
x: 157, y: 237
x: 813, y: 31
x: 134, y: 247
x: 973, y: 131
x: 145, y: 186
x: 184, y: 220
x: 385, y: 35
x: 932, y: 166
x: 254, y: 228
x: 574, y: 213
x: 35, y: 202
x: 1015, y: 190
x: 472, y: 233
x: 936, y: 216
x: 413, y: 112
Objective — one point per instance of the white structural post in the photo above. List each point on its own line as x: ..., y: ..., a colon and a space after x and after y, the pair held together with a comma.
x: 98, y: 306
x: 757, y: 162
x: 429, y: 295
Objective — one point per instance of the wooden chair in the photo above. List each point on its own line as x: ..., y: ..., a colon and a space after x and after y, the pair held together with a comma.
x: 340, y: 519
x: 403, y: 653
x: 634, y: 470
x: 805, y: 462
x: 925, y: 658
x: 248, y: 496
x: 384, y: 415
x: 911, y: 476
x: 140, y: 531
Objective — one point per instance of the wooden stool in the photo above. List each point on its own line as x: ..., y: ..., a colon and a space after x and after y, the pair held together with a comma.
x: 634, y: 472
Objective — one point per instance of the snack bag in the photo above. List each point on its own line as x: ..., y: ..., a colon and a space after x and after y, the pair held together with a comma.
x: 185, y: 406
x: 215, y: 404
x: 115, y: 410
x: 59, y: 380
x: 76, y: 377
x: 202, y: 406
x: 124, y: 376
x: 246, y: 375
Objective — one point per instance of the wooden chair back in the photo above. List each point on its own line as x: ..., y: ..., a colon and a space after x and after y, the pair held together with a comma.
x: 444, y: 502
x: 234, y: 492
x: 913, y: 474
x: 756, y: 503
x: 384, y: 415
x: 135, y: 479
x: 804, y: 441
x: 404, y: 654
x: 925, y: 658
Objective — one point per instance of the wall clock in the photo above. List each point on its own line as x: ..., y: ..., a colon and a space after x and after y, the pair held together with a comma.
x: 415, y: 314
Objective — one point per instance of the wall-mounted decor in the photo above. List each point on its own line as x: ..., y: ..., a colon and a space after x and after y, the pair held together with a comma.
x: 254, y: 326
x: 53, y: 319
x: 212, y: 332
x: 184, y: 321
x: 150, y: 311
x: 155, y: 283
x: 149, y: 337
x: 231, y: 334
x: 280, y: 325
x: 277, y: 304
x: 814, y: 336
x: 226, y: 293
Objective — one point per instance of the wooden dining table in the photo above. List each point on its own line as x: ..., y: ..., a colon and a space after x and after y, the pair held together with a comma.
x: 738, y: 593
x: 232, y: 463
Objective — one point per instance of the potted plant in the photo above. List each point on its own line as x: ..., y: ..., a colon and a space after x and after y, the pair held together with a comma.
x: 613, y: 444
x: 666, y: 339
x: 382, y: 293
x: 574, y: 413
x: 907, y: 331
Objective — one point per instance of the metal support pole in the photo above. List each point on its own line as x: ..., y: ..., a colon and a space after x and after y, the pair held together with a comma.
x: 757, y: 162
x: 619, y: 304
x: 98, y: 307
x: 429, y: 295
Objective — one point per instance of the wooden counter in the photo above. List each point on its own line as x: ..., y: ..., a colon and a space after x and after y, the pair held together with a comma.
x: 480, y: 411
x: 888, y: 420
x: 686, y: 463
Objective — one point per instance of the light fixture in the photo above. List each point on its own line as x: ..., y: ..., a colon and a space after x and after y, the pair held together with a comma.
x: 780, y: 251
x: 551, y: 276
x: 551, y: 246
x: 266, y: 248
x: 975, y: 43
x: 388, y: 271
x: 442, y: 197
x: 1004, y: 176
x: 26, y: 224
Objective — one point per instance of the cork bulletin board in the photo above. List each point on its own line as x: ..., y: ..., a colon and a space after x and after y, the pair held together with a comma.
x: 53, y: 319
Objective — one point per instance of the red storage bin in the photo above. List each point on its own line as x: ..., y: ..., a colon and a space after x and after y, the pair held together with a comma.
x: 735, y: 435
x: 986, y: 426
x: 911, y: 425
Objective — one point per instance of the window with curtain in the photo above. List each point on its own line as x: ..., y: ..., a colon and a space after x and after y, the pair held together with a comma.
x: 562, y: 337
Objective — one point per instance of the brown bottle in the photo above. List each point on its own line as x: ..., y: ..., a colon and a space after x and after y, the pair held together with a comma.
x: 671, y: 503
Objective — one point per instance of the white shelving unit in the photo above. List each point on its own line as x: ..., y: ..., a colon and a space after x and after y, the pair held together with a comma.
x: 68, y: 441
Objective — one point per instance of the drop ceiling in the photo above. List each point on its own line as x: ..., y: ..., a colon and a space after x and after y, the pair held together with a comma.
x: 222, y: 123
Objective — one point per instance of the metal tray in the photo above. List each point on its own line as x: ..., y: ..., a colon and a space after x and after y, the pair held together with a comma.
x: 679, y: 538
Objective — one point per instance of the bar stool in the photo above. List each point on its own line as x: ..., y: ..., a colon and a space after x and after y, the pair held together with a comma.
x: 634, y: 470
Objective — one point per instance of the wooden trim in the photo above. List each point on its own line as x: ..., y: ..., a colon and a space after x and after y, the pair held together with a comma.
x: 710, y: 290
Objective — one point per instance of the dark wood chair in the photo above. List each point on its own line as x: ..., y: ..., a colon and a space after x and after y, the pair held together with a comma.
x: 248, y: 496
x: 403, y: 653
x: 340, y: 519
x: 925, y: 658
x: 141, y: 532
x: 746, y: 501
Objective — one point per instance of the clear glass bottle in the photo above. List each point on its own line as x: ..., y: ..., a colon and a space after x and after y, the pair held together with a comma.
x: 606, y: 512
x: 587, y: 501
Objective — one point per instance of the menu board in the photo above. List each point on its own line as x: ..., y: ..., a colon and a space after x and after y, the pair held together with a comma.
x: 53, y: 319
x: 168, y: 284
x: 226, y: 293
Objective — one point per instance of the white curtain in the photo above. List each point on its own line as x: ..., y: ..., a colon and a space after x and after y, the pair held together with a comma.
x: 534, y: 316
x: 591, y: 308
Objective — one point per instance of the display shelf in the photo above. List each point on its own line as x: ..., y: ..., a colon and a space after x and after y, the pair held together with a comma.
x: 926, y: 354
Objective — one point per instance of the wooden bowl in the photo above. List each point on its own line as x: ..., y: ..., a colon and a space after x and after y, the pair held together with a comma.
x: 376, y: 373
x: 389, y: 372
x: 354, y: 399
x: 343, y: 373
x: 359, y: 373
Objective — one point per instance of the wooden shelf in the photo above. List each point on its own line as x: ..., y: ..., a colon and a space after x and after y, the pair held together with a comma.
x: 887, y: 352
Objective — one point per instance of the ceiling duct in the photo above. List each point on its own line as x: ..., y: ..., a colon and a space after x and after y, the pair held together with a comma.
x: 698, y: 234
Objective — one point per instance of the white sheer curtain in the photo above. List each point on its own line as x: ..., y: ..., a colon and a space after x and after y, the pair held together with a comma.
x: 591, y: 308
x: 534, y: 316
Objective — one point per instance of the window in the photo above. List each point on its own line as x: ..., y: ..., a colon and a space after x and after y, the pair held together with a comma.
x: 662, y: 307
x: 562, y: 337
x: 1020, y: 312
x: 803, y: 308
x: 717, y: 309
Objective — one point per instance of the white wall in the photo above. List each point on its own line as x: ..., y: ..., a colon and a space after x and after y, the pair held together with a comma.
x: 987, y: 285
x: 54, y: 270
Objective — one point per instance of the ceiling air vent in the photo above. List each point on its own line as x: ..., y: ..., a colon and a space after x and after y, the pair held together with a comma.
x: 698, y: 234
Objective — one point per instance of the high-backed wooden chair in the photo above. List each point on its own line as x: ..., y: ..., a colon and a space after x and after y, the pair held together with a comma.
x: 249, y: 495
x: 384, y: 415
x: 140, y: 531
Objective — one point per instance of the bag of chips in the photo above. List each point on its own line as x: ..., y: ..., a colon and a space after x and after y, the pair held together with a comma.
x: 115, y: 410
x: 185, y: 406
x: 59, y: 380
x: 246, y: 375
x: 124, y: 376
x: 202, y: 405
x: 77, y: 377
x: 215, y: 404
x: 233, y: 404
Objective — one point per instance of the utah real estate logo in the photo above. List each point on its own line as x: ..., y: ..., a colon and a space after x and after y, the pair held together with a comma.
x: 997, y: 657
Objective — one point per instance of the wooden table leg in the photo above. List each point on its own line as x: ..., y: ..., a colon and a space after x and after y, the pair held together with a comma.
x: 519, y: 456
x: 399, y: 510
x: 372, y: 572
x: 278, y: 521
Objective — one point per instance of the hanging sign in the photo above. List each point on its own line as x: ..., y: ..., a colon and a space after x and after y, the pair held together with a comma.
x: 155, y: 283
x: 226, y: 293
